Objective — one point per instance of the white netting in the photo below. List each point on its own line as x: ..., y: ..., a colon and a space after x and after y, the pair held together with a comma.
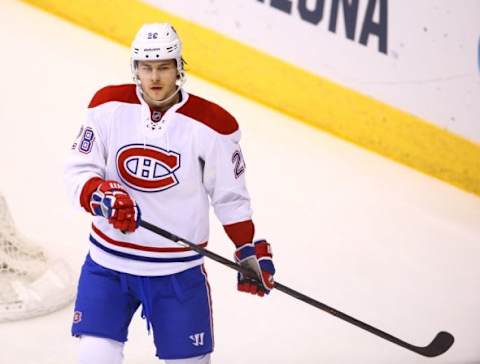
x: 30, y: 283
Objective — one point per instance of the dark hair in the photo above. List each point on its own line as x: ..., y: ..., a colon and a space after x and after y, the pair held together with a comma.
x: 184, y: 63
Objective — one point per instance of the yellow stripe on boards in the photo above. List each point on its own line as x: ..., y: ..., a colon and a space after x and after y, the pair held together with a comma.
x: 312, y: 99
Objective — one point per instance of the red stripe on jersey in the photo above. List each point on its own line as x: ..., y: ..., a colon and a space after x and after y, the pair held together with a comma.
x: 120, y: 93
x: 240, y: 232
x: 210, y: 114
x: 125, y: 244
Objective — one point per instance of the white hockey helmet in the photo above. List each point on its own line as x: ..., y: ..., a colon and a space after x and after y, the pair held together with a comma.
x: 155, y: 42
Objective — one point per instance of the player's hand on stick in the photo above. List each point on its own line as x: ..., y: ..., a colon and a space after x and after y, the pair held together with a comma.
x: 256, y: 257
x: 113, y: 202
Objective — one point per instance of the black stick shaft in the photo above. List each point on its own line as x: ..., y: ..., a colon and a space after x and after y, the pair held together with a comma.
x: 440, y: 344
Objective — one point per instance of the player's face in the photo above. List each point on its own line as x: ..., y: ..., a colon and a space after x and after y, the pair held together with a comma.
x: 158, y: 78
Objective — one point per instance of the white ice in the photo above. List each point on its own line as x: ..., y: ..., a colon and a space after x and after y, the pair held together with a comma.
x: 384, y: 243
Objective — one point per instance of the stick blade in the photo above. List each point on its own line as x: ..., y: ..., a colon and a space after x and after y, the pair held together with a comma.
x: 439, y: 345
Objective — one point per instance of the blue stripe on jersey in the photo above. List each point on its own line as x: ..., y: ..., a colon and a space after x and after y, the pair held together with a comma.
x: 144, y: 259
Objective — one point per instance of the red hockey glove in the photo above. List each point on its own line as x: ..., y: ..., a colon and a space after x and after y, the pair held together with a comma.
x: 113, y: 202
x: 257, y: 257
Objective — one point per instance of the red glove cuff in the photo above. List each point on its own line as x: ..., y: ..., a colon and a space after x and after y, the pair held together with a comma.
x: 241, y: 232
x: 88, y: 189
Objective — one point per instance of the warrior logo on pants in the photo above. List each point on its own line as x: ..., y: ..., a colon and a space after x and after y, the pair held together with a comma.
x: 197, y: 339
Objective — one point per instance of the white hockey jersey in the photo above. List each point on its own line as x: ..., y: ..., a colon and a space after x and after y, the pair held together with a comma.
x: 171, y: 167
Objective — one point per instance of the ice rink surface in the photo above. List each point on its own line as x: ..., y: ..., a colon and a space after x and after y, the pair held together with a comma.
x: 372, y: 238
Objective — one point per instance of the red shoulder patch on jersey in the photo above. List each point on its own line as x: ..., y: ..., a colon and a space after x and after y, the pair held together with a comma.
x: 210, y: 114
x: 121, y: 93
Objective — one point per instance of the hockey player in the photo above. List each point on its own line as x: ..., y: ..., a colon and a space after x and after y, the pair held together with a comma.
x: 151, y: 150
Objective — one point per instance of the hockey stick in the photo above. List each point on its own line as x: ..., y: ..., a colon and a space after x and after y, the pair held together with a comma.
x: 440, y: 344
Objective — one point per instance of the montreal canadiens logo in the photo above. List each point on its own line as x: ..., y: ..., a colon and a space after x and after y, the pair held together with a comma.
x: 147, y: 168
